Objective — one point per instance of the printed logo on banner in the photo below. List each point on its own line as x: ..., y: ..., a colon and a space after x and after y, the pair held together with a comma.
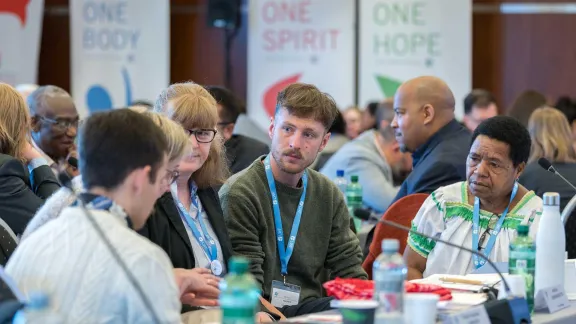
x: 388, y: 85
x: 269, y: 99
x: 98, y: 98
x: 15, y: 7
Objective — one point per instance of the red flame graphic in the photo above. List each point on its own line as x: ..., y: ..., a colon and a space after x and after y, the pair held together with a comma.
x: 15, y: 7
x: 271, y: 93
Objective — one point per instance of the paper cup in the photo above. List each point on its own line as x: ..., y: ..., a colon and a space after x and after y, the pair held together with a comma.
x: 356, y: 311
x: 420, y: 308
x: 517, y: 286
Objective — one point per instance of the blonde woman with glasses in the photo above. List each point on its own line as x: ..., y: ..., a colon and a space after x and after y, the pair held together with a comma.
x: 551, y: 139
x: 26, y: 180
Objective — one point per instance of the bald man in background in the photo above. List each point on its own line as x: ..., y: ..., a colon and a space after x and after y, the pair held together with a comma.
x: 425, y: 126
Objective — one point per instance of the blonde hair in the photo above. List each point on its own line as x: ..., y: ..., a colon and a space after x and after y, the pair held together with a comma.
x: 176, y: 136
x: 193, y: 107
x: 14, y: 122
x: 551, y: 136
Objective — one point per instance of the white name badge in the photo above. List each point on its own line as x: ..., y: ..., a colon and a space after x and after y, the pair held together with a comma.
x: 551, y: 298
x: 284, y: 294
x: 473, y: 315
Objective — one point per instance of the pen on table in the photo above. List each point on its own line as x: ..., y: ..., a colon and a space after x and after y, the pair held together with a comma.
x: 461, y: 281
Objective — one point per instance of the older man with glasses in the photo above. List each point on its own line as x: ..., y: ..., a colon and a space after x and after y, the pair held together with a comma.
x: 54, y: 126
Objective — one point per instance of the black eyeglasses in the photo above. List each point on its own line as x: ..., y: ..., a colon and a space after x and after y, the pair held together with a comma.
x: 486, y: 233
x: 203, y: 135
x: 61, y: 124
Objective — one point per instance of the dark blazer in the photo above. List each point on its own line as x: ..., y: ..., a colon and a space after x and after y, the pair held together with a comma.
x: 22, y: 194
x: 241, y: 151
x: 439, y: 162
x: 166, y: 229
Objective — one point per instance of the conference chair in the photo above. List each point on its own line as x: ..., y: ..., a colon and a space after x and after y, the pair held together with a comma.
x: 402, y: 212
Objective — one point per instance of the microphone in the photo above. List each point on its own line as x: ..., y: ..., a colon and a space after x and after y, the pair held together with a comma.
x: 73, y: 161
x: 547, y: 165
x: 66, y: 181
x: 513, y: 310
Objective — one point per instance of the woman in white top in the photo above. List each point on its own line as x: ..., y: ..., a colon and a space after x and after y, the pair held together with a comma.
x: 481, y: 213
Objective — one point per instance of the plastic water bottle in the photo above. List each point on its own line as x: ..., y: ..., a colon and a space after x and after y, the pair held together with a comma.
x: 389, y: 274
x: 340, y: 181
x: 523, y: 261
x: 37, y: 311
x: 239, y: 293
x: 550, y: 245
x: 354, y: 199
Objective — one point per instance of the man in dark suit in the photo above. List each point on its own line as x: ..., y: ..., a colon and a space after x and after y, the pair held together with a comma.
x: 426, y: 127
x: 24, y: 188
x: 241, y: 151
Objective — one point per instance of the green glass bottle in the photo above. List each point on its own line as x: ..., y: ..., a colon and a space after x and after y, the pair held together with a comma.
x: 354, y: 200
x: 523, y: 261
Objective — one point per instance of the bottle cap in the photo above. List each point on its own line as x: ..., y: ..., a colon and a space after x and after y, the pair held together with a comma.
x: 354, y: 178
x: 238, y: 265
x: 523, y: 230
x: 390, y: 245
x: 551, y: 199
x: 339, y: 173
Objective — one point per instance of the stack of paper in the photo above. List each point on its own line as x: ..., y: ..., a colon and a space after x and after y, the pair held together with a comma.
x: 470, y: 283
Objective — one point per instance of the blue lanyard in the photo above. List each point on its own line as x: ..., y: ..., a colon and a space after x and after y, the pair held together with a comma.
x: 476, y: 228
x: 102, y: 203
x: 285, y: 253
x: 210, y: 251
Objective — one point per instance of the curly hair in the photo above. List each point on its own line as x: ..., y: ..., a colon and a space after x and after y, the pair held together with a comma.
x: 507, y: 130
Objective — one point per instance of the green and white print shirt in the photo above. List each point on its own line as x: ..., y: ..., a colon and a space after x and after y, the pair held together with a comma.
x: 446, y: 214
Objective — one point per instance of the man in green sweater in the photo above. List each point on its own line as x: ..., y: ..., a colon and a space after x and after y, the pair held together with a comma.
x: 290, y: 221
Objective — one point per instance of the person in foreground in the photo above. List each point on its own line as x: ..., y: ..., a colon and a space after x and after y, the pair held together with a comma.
x: 278, y: 199
x: 123, y: 162
x: 482, y: 212
x: 26, y: 180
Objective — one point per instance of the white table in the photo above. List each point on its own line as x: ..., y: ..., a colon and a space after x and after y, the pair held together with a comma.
x: 565, y: 316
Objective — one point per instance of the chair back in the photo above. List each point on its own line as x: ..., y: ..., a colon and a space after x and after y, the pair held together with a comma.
x: 402, y: 212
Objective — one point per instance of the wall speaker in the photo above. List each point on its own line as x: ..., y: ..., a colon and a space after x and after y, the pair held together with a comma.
x: 224, y: 13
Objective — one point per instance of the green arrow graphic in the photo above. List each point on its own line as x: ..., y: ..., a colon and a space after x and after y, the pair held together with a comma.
x: 388, y: 86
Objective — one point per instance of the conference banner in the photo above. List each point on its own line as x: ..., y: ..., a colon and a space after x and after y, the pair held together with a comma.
x: 310, y: 41
x: 20, y: 36
x: 403, y: 39
x: 120, y: 52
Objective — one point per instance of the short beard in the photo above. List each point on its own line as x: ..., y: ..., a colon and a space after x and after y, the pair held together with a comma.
x: 278, y: 158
